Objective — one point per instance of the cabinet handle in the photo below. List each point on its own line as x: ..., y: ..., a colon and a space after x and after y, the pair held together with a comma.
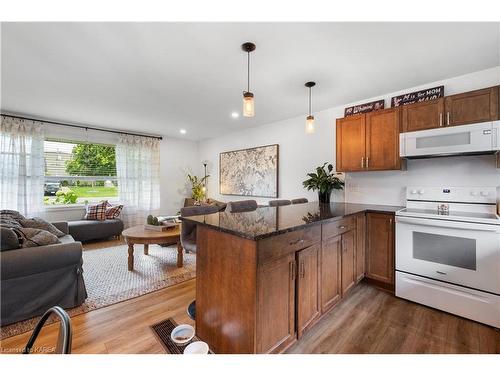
x: 300, y: 240
x: 447, y: 118
x: 440, y: 119
x: 367, y: 160
x: 302, y: 270
x: 362, y: 162
x: 292, y: 270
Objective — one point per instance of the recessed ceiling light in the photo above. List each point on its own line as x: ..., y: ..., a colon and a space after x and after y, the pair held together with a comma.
x: 183, y: 131
x: 235, y: 115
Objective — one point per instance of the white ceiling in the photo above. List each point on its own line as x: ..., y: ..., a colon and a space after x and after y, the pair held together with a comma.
x: 161, y: 77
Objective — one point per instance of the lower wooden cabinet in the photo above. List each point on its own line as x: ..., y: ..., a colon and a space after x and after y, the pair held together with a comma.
x: 348, y: 261
x: 308, y: 292
x: 380, y: 247
x: 331, y: 252
x: 360, y: 246
x: 276, y: 308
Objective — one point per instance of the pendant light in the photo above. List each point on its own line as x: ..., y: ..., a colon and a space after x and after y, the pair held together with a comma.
x: 310, y: 117
x: 248, y: 102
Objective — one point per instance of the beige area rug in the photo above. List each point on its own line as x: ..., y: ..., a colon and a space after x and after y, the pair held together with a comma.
x: 108, y: 281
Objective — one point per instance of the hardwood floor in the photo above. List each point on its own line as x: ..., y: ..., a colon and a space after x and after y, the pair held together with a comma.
x: 366, y: 321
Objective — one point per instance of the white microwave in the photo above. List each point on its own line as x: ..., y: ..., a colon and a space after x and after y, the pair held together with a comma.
x: 482, y: 138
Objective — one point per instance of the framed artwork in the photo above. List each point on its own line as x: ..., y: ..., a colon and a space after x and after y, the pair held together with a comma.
x: 250, y: 172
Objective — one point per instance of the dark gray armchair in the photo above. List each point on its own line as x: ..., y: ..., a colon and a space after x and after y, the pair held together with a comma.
x: 188, y: 230
x: 241, y: 206
x: 280, y: 202
x: 299, y: 200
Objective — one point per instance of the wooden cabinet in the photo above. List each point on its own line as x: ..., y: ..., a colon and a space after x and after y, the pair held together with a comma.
x: 368, y: 142
x: 348, y: 261
x: 276, y: 309
x: 423, y: 115
x: 471, y: 107
x: 360, y: 246
x: 382, y: 140
x: 308, y: 291
x: 380, y: 247
x: 350, y: 139
x: 331, y: 251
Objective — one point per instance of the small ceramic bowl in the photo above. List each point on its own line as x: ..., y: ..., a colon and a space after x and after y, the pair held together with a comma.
x: 197, y: 347
x: 182, y: 334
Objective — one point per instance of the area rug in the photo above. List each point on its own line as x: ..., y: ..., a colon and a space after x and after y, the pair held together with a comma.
x: 108, y: 281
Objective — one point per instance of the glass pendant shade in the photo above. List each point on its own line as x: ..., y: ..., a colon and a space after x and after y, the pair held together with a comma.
x: 248, y: 105
x: 310, y: 124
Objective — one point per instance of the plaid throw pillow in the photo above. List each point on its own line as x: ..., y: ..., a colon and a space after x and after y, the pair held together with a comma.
x: 96, y: 211
x: 112, y: 212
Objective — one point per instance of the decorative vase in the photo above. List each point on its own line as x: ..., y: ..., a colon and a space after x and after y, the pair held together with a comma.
x: 324, y: 197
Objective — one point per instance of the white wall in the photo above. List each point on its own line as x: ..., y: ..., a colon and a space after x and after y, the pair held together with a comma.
x: 300, y: 153
x: 178, y: 157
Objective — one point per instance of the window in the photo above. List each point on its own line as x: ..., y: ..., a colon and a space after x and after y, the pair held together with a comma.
x: 79, y: 172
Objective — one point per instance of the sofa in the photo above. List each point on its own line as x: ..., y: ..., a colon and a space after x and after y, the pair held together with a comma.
x: 33, y: 279
x: 89, y: 230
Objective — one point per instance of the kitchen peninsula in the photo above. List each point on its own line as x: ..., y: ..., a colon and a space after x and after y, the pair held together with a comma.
x: 264, y: 277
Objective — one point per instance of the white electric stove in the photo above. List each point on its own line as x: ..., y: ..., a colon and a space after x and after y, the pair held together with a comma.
x: 448, y: 251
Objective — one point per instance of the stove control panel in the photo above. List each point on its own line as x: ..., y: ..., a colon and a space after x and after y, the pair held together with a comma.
x: 452, y: 194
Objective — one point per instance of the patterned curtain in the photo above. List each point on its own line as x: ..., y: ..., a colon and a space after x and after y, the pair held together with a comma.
x: 22, y: 166
x: 138, y: 172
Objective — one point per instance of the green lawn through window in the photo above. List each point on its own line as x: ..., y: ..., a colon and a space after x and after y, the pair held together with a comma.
x: 95, y: 192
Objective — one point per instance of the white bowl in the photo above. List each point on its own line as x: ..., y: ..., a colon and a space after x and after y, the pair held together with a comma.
x: 182, y: 334
x: 197, y: 347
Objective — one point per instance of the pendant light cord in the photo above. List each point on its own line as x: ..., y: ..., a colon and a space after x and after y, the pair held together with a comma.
x: 310, y: 101
x: 248, y: 71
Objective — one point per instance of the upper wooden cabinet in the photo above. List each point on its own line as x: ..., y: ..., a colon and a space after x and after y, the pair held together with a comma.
x: 351, y: 140
x: 382, y: 140
x: 471, y: 107
x: 369, y: 142
x: 423, y: 115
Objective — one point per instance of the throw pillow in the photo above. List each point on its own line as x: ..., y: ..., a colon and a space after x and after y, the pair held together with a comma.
x: 96, y: 211
x: 31, y: 237
x: 10, y: 218
x: 112, y: 212
x: 39, y: 223
x: 8, y: 239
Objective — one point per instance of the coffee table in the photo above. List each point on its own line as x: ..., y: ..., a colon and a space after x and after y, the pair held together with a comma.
x: 139, y: 235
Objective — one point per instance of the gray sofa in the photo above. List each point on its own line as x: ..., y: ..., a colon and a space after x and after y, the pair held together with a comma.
x: 36, y: 278
x: 89, y: 230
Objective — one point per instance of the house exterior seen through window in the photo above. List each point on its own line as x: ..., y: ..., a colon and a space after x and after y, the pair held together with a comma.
x: 79, y: 172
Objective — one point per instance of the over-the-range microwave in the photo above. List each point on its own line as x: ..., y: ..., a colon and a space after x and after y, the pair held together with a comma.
x: 474, y: 139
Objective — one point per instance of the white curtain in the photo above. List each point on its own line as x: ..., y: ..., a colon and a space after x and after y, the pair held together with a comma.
x: 138, y: 172
x: 22, y: 165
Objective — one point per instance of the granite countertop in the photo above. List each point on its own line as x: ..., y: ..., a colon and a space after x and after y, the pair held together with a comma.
x: 270, y: 221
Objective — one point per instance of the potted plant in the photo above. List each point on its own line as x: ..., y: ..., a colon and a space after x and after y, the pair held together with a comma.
x: 324, y: 180
x: 197, y: 187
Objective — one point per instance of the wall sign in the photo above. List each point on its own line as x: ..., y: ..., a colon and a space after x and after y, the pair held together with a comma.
x: 418, y: 96
x: 363, y: 108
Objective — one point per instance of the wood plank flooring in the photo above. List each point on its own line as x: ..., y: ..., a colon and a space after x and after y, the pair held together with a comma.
x: 366, y: 321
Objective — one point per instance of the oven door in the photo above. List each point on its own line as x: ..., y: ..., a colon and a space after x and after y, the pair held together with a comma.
x: 466, y: 254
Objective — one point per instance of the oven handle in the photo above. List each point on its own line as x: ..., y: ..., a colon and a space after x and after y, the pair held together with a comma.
x: 448, y: 224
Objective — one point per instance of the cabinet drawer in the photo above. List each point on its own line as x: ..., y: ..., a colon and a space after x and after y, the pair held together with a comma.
x: 338, y: 227
x: 277, y: 246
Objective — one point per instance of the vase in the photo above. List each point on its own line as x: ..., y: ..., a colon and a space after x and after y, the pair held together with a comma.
x: 324, y: 197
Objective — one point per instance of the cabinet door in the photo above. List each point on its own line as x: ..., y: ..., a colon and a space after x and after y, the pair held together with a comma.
x: 308, y: 309
x: 423, y: 115
x: 380, y: 247
x: 348, y: 261
x: 471, y: 107
x: 350, y: 136
x: 382, y: 140
x: 360, y: 246
x: 331, y: 250
x: 276, y: 304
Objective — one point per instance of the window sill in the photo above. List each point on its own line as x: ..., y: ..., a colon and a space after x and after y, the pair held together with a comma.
x: 65, y: 207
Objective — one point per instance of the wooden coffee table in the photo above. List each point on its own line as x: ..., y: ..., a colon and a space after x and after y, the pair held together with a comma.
x: 139, y: 235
